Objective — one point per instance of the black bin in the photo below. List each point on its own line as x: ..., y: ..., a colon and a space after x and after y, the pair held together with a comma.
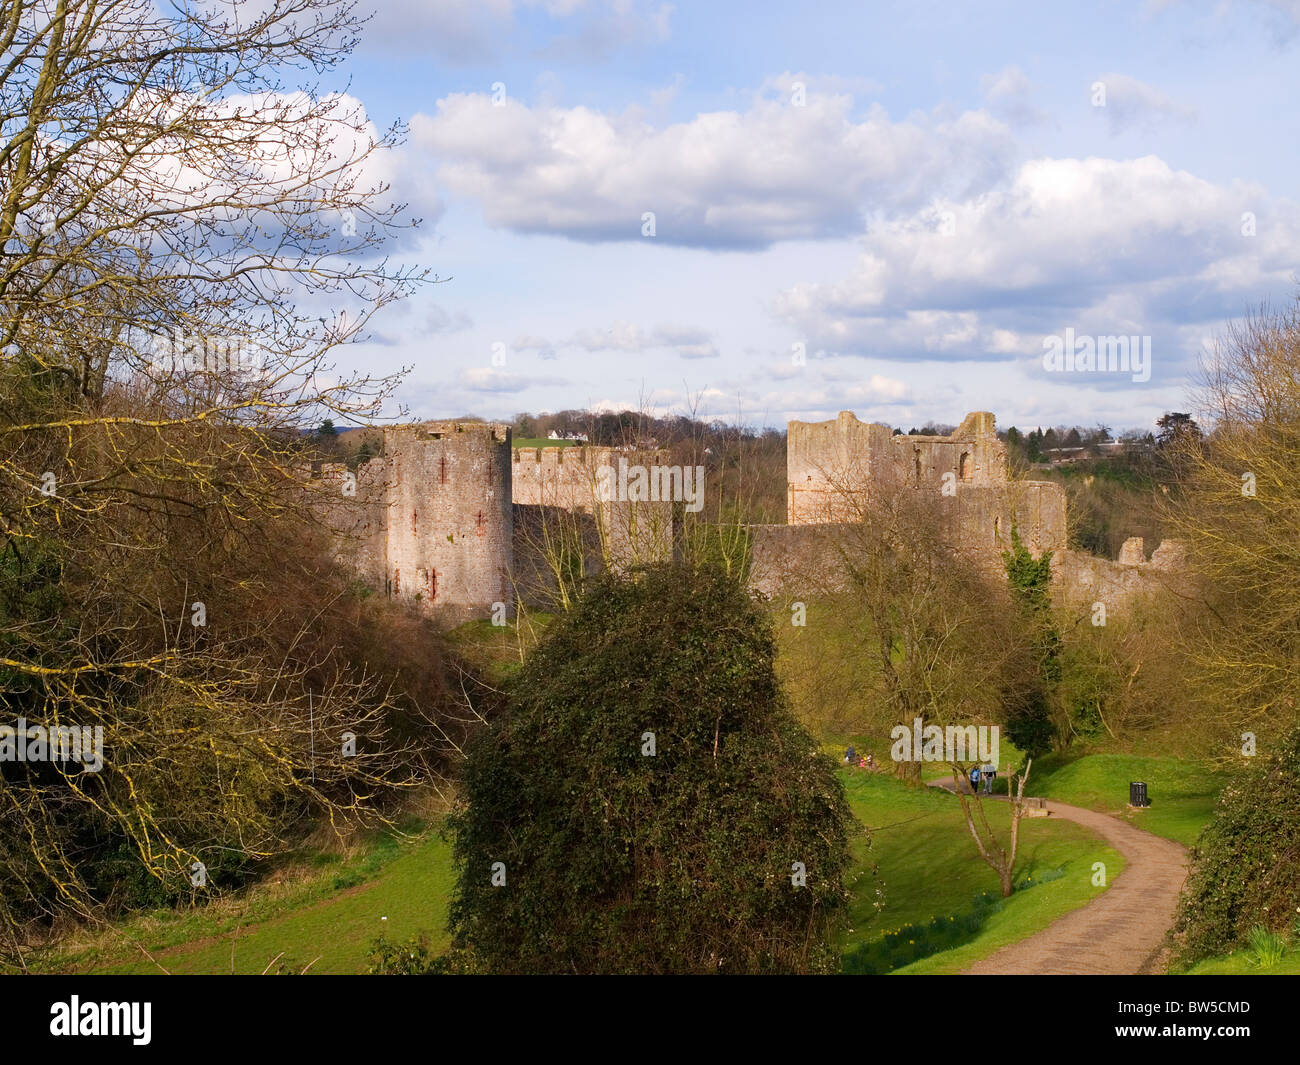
x: 1137, y: 793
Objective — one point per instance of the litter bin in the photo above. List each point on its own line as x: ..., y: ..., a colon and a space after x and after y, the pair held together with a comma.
x: 1137, y: 793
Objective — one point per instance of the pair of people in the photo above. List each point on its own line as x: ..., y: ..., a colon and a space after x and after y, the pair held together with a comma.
x: 987, y: 773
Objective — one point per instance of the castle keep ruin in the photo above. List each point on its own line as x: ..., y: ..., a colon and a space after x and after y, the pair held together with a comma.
x: 456, y: 519
x: 452, y: 516
x: 836, y: 468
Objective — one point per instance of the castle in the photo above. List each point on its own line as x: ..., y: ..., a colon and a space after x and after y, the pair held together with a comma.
x: 456, y: 519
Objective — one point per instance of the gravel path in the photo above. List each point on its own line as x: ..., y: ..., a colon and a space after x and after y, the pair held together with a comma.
x: 1123, y: 929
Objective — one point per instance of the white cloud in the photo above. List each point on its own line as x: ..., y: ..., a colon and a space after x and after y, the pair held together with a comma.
x: 1009, y: 95
x: 1107, y: 246
x: 724, y: 179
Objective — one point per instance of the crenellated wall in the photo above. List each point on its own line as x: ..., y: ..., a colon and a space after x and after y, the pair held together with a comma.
x: 439, y: 518
x: 456, y: 520
x: 836, y: 468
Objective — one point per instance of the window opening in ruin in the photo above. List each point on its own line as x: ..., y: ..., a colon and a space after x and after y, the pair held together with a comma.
x: 442, y: 470
x: 433, y: 585
x: 916, y: 463
x: 997, y: 530
x: 964, y: 470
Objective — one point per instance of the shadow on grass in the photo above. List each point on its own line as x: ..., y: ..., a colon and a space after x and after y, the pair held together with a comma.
x: 912, y: 942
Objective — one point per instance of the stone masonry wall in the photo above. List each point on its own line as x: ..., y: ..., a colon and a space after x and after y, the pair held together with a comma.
x: 456, y: 520
x: 833, y: 467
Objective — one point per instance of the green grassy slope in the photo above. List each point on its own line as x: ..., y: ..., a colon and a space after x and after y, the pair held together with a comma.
x: 929, y: 868
x: 926, y: 861
x: 1182, y: 794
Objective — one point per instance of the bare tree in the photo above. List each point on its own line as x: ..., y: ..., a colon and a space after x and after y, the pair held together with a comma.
x: 1002, y: 860
x: 1235, y: 504
x: 186, y: 241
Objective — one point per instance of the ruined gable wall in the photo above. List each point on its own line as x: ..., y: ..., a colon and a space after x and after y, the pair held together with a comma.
x: 829, y: 463
x: 826, y: 462
x: 973, y: 454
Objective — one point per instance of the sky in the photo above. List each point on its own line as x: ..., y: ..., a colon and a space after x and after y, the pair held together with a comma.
x: 768, y: 211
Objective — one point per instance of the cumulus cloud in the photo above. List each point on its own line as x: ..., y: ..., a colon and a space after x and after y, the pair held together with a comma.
x: 724, y: 179
x: 1104, y: 245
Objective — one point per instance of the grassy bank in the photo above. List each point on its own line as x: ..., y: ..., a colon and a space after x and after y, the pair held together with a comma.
x: 931, y: 876
x: 324, y: 914
x: 1182, y: 794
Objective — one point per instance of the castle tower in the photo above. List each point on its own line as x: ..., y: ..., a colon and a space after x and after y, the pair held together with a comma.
x: 448, y: 517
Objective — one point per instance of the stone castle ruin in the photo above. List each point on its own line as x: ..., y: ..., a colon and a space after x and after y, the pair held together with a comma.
x: 455, y: 519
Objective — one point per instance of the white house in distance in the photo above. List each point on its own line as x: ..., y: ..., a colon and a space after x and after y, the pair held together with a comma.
x: 555, y: 434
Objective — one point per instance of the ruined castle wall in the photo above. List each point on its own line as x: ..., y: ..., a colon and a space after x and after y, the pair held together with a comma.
x: 797, y: 560
x: 629, y: 532
x: 352, y: 507
x: 834, y: 467
x: 1084, y: 579
x: 449, y: 541
x: 550, y: 542
x: 827, y: 462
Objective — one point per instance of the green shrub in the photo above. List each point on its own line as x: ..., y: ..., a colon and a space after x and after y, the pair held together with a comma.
x: 1246, y: 864
x: 617, y: 860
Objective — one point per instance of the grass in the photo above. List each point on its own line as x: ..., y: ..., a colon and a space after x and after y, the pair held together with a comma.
x: 1244, y: 962
x: 1182, y: 794
x: 329, y: 913
x: 929, y: 868
x: 499, y: 650
x: 326, y: 918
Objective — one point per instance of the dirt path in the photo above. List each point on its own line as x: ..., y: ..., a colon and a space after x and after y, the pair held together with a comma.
x: 1120, y: 931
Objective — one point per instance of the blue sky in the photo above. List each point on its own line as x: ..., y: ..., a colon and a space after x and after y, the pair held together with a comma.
x: 915, y: 197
